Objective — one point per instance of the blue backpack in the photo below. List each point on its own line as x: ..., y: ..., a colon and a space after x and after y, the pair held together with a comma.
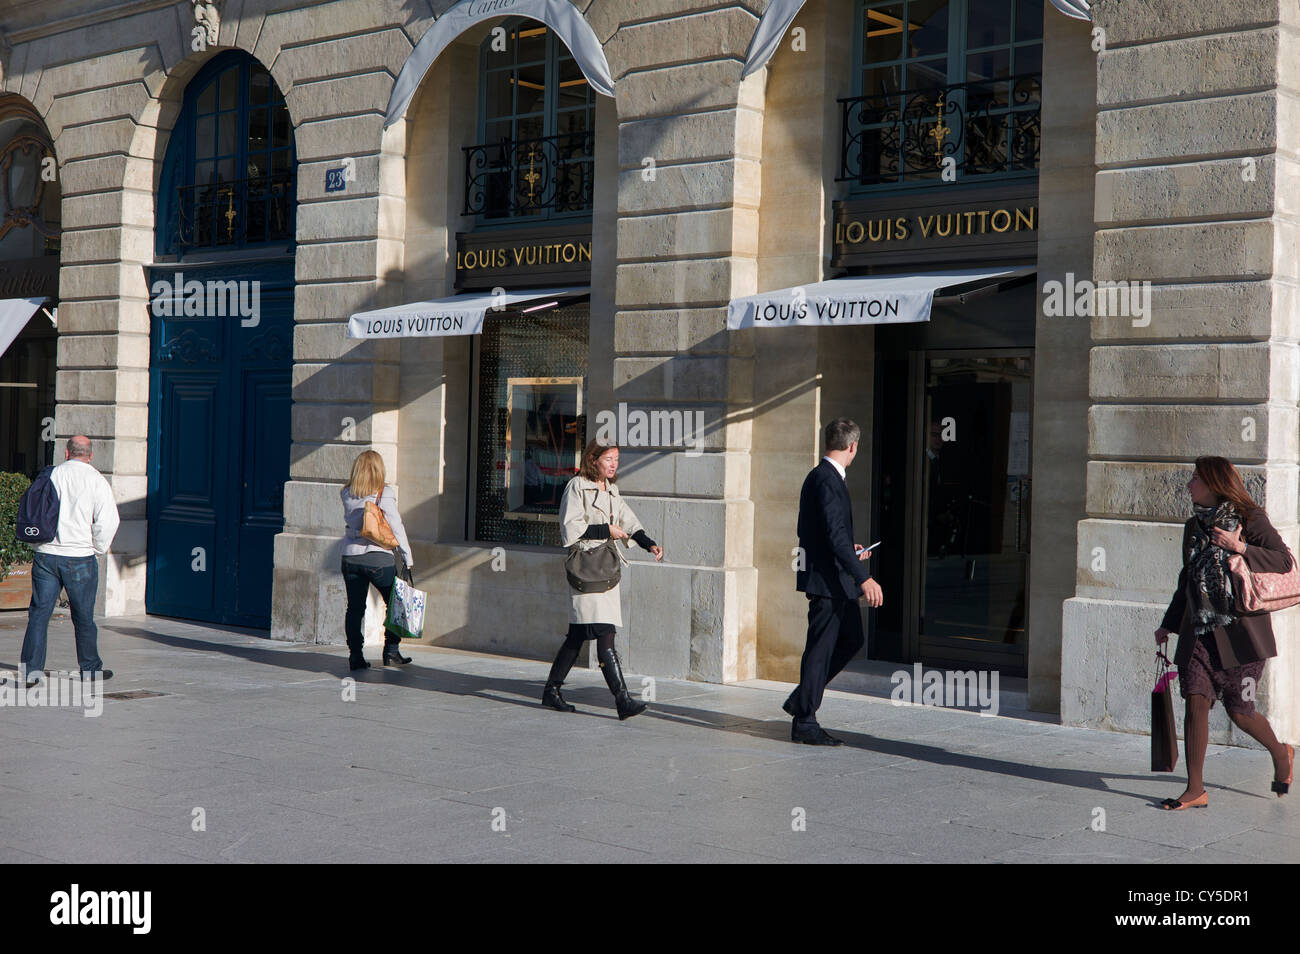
x: 38, y: 511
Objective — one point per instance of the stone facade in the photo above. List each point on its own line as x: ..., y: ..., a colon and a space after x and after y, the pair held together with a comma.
x: 1143, y: 145
x: 1196, y: 190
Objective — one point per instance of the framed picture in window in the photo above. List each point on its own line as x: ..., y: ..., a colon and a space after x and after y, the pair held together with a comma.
x: 543, y: 446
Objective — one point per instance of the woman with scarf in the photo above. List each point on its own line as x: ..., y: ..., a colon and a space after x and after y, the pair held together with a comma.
x: 1220, y: 653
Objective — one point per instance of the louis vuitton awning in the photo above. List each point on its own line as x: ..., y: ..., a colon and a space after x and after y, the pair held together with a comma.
x: 870, y: 299
x: 457, y: 315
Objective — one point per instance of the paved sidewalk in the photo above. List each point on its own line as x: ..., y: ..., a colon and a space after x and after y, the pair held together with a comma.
x: 424, y: 761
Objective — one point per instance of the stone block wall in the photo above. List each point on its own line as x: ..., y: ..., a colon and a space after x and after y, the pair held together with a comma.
x: 689, y: 191
x: 1060, y: 429
x: 1197, y: 139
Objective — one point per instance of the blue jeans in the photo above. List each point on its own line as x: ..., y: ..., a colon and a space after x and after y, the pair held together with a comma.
x: 80, y: 577
x: 357, y: 580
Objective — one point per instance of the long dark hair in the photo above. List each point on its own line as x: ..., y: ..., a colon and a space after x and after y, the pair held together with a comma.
x: 1224, y: 480
x: 589, y: 457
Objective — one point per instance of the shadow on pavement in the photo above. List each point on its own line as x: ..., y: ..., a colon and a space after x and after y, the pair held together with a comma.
x: 527, y: 692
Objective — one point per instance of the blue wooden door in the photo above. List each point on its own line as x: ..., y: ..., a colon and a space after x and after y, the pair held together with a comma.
x: 219, y: 399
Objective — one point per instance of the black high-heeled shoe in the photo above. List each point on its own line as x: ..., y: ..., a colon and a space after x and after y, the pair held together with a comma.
x: 393, y: 657
x: 1281, y: 788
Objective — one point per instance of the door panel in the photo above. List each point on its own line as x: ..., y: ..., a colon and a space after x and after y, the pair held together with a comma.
x: 952, y: 503
x: 975, y: 564
x: 219, y: 411
x: 186, y: 504
x: 264, y: 472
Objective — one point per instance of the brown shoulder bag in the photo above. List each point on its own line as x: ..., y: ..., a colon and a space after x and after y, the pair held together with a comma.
x: 374, y: 526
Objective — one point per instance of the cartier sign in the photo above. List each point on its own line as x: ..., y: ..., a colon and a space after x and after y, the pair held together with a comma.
x: 30, y: 277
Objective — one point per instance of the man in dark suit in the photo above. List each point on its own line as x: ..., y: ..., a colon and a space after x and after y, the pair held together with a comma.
x: 833, y: 576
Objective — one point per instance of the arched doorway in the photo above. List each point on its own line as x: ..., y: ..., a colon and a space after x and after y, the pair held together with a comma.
x: 29, y: 278
x: 220, y: 380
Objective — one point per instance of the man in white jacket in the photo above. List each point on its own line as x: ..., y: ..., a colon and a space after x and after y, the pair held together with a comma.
x: 87, y: 521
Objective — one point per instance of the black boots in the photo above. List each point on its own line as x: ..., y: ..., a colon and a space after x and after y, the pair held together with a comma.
x: 564, y: 660
x: 551, y: 697
x: 609, y: 665
x: 393, y: 656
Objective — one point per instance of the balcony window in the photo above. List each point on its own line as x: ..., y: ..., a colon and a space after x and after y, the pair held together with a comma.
x: 534, y: 160
x: 231, y: 169
x: 943, y: 85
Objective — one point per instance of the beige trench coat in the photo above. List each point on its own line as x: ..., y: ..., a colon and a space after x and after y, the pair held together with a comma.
x: 584, y: 504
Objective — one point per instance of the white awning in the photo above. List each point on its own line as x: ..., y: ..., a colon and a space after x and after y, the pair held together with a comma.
x: 863, y: 300
x: 572, y: 27
x: 1079, y: 9
x: 780, y: 14
x: 457, y: 315
x: 767, y: 37
x: 14, y: 315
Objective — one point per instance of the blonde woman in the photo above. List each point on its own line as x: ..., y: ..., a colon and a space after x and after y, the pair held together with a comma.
x: 592, y: 512
x: 366, y: 563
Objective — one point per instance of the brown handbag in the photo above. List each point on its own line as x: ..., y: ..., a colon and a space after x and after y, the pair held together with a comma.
x: 595, y: 570
x: 375, y: 528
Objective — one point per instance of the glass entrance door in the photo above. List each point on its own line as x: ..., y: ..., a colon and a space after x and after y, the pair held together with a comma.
x: 954, y: 501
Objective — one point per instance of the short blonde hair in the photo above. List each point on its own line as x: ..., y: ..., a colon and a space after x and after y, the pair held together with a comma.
x: 367, y: 474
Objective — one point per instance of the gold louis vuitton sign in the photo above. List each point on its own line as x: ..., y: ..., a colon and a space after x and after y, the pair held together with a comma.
x: 935, y: 225
x: 940, y: 225
x: 520, y: 256
x: 524, y: 258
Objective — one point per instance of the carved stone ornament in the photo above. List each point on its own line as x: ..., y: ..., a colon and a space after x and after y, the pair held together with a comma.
x: 208, y: 16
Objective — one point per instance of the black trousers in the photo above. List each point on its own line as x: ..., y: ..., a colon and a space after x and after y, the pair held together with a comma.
x: 357, y: 579
x: 834, y: 637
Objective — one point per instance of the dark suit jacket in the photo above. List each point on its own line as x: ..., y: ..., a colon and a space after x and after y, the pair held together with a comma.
x: 1250, y: 638
x: 826, y: 536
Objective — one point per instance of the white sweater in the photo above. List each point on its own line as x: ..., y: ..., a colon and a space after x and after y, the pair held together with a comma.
x: 87, y: 512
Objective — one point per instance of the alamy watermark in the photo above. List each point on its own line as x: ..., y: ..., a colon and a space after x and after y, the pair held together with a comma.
x: 57, y: 691
x: 179, y: 298
x: 659, y: 428
x: 1084, y: 298
x: 951, y: 689
x: 75, y: 906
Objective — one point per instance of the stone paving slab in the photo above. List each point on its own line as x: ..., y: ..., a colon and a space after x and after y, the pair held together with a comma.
x: 452, y: 759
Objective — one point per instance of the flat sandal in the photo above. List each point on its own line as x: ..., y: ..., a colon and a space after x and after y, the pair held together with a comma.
x: 1174, y: 805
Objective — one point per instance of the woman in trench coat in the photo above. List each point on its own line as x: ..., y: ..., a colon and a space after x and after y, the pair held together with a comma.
x: 592, y: 512
x: 1221, y: 653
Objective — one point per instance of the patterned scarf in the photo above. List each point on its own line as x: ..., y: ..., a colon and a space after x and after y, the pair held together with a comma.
x: 1209, y: 585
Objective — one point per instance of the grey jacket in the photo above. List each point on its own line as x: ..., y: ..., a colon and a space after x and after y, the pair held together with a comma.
x: 354, y: 515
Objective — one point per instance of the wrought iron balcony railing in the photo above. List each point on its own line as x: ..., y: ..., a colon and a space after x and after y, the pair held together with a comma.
x: 239, y: 212
x: 521, y: 178
x: 987, y: 128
